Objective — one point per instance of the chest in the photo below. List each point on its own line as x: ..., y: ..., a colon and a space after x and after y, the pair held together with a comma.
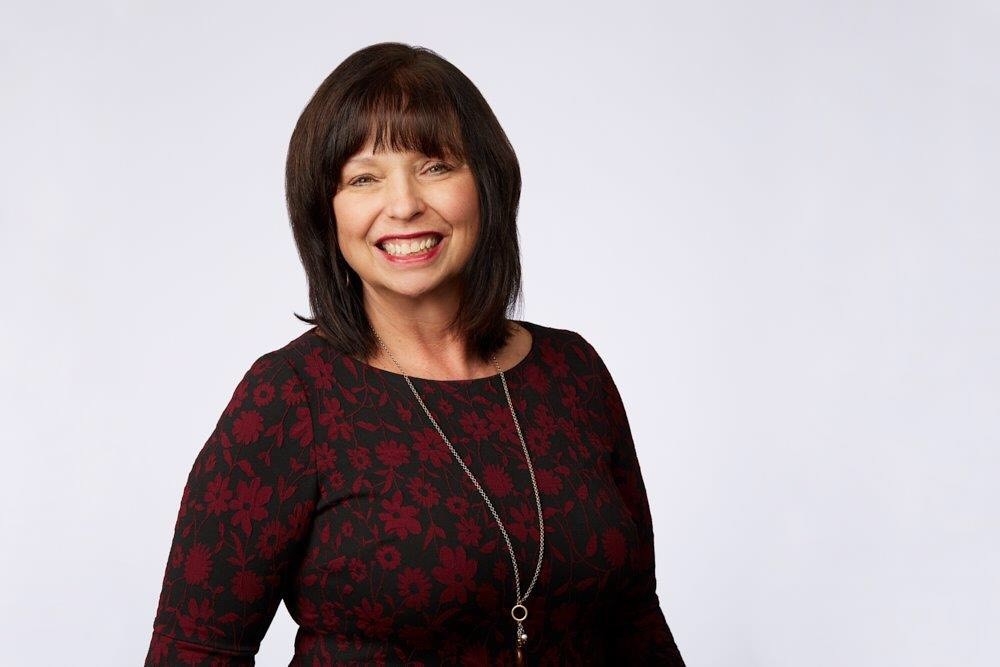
x: 402, y: 537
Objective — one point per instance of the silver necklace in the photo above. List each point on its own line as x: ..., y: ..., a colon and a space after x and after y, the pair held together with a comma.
x: 518, y: 612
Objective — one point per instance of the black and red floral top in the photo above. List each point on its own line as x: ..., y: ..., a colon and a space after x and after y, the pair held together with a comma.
x: 324, y: 485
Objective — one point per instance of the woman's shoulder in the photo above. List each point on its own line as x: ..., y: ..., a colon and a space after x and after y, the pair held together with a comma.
x: 283, y: 361
x: 567, y: 343
x: 552, y: 333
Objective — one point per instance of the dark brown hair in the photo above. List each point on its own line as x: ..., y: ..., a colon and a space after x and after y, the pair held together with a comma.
x: 422, y: 103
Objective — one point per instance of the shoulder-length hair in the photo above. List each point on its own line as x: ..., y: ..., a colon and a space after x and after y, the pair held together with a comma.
x: 421, y: 102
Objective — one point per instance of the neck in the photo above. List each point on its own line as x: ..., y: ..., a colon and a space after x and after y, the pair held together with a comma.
x: 416, y: 332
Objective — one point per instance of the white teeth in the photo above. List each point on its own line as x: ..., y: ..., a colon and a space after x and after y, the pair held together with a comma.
x: 410, y: 247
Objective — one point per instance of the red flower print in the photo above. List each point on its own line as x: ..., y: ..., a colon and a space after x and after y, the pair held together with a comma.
x: 549, y: 482
x: 555, y: 360
x: 497, y: 481
x: 263, y: 394
x: 399, y: 519
x: 247, y: 586
x: 571, y: 399
x: 332, y: 615
x: 337, y: 564
x: 271, y: 539
x: 191, y: 657
x: 613, y: 542
x: 391, y: 453
x: 323, y: 485
x: 239, y: 395
x: 545, y: 420
x: 247, y: 427
x: 414, y: 588
x: 159, y: 648
x: 198, y: 564
x: 536, y: 379
x: 404, y: 412
x: 469, y: 532
x: 195, y: 622
x: 475, y: 426
x: 423, y: 493
x: 302, y: 429
x: 358, y: 569
x: 293, y: 391
x: 176, y: 555
x: 326, y: 457
x: 444, y: 407
x: 525, y: 523
x: 457, y: 505
x: 260, y: 367
x: 388, y: 557
x: 185, y: 501
x: 218, y: 495
x: 431, y: 448
x: 308, y: 611
x: 538, y: 442
x: 570, y: 430
x: 371, y: 619
x: 299, y: 518
x: 359, y: 458
x: 596, y: 444
x: 319, y: 369
x: 456, y: 572
x: 501, y: 422
x: 332, y: 416
x: 249, y: 502
x: 615, y: 407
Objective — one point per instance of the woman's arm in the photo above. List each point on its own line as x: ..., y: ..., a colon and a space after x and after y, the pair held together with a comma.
x: 245, y: 511
x: 638, y: 632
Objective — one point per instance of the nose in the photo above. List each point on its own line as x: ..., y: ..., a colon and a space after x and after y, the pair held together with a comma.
x: 403, y: 198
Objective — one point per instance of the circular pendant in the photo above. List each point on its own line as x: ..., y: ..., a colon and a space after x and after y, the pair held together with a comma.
x: 519, y: 612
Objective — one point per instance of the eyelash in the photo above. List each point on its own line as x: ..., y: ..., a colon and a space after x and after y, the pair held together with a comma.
x: 355, y: 180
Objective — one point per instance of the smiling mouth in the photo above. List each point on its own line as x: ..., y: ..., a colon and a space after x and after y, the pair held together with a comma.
x: 410, y: 247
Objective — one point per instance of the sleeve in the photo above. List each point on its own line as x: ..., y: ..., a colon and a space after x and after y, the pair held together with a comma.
x: 638, y: 630
x: 244, y: 514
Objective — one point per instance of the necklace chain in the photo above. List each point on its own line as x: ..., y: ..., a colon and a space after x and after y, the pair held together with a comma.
x: 520, y: 635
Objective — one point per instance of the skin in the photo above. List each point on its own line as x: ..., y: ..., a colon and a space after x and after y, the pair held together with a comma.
x: 397, y: 193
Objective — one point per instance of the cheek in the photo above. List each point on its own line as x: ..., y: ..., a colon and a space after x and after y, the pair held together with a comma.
x: 460, y: 205
x: 351, y: 220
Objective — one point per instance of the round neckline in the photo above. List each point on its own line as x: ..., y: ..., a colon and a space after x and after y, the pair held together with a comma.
x: 515, y: 369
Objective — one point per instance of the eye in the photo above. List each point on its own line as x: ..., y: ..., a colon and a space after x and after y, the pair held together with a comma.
x: 360, y: 180
x: 445, y: 167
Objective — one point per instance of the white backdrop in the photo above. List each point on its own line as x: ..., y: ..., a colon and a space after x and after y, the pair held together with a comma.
x: 778, y: 222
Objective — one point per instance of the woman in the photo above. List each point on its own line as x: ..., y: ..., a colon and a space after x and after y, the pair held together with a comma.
x: 420, y: 479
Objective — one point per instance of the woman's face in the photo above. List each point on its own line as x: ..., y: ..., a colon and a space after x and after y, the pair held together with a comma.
x: 431, y: 201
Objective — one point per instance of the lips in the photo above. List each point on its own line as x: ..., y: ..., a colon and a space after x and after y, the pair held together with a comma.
x: 400, y: 237
x: 415, y: 259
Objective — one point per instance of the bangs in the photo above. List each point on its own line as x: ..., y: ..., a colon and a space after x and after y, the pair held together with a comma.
x: 403, y: 114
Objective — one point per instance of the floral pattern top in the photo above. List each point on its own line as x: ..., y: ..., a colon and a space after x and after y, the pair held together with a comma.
x: 324, y: 484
